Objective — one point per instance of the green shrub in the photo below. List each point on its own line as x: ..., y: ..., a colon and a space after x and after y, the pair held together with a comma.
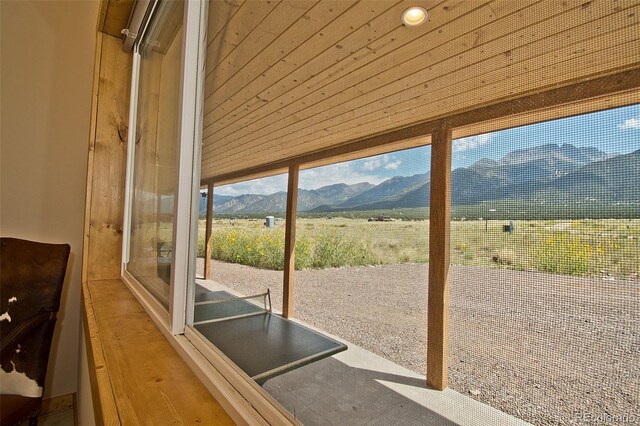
x: 331, y: 250
x: 264, y: 248
x: 560, y: 254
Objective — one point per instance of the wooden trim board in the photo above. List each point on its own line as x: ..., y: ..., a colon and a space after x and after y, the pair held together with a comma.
x: 90, y: 154
x: 102, y: 252
x: 439, y: 231
x: 290, y: 242
x: 138, y: 377
x: 58, y: 404
x: 208, y: 228
x: 114, y: 16
x: 104, y: 405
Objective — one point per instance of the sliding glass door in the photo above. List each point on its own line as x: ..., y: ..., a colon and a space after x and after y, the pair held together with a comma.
x: 157, y: 140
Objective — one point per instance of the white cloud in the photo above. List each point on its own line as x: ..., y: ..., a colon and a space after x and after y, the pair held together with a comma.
x: 630, y: 123
x: 471, y: 142
x: 268, y: 185
x: 372, y: 164
x: 350, y: 172
x: 393, y: 165
x: 336, y: 173
x: 379, y: 161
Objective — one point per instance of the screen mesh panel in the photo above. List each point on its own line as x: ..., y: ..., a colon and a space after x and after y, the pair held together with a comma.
x: 545, y: 252
x: 544, y: 219
x: 288, y: 78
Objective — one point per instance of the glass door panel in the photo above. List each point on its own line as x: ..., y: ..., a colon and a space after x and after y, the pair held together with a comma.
x: 156, y: 151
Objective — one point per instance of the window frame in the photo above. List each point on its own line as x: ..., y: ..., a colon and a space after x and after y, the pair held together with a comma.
x: 191, y: 86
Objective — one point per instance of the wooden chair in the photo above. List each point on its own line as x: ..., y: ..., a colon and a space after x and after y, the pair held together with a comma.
x: 31, y: 278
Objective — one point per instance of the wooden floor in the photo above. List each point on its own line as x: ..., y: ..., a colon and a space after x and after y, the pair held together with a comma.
x: 59, y: 418
x: 64, y: 417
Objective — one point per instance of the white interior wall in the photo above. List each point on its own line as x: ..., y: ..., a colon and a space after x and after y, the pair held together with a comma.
x: 47, y: 52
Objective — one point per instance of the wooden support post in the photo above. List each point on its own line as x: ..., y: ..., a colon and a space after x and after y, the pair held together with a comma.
x: 439, y: 229
x: 290, y: 241
x: 207, y: 238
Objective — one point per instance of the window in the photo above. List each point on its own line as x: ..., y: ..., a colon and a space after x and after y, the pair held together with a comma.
x: 157, y: 140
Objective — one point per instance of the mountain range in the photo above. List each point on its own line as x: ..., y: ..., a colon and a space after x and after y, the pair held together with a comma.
x: 545, y: 173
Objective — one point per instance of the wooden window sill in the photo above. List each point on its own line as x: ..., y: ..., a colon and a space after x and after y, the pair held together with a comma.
x: 136, y: 375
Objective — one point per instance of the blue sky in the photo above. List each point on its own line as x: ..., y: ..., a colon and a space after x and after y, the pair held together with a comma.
x: 612, y: 131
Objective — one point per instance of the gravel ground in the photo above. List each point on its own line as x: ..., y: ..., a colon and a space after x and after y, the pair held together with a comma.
x: 548, y: 349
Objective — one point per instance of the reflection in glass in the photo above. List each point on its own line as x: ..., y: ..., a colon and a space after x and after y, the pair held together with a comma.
x: 156, y: 149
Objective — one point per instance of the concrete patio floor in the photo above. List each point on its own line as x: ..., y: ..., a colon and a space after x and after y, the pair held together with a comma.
x: 357, y: 387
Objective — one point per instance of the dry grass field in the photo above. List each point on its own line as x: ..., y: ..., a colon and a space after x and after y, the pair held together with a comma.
x: 586, y: 247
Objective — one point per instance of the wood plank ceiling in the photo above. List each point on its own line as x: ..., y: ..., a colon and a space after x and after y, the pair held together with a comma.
x: 286, y: 78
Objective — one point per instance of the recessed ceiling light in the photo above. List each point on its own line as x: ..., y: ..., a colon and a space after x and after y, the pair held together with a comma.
x: 414, y: 16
